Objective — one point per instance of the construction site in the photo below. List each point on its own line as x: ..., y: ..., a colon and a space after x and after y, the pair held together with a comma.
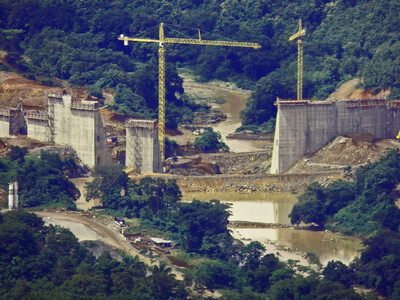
x: 46, y: 116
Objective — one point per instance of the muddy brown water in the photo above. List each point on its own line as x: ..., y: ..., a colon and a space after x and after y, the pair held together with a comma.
x: 275, y: 208
x: 234, y: 102
x: 262, y: 207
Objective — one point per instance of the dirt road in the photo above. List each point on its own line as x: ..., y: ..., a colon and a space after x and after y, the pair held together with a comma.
x: 108, y: 232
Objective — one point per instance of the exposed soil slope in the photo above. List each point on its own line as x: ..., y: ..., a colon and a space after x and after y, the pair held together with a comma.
x: 343, y: 152
x: 16, y: 90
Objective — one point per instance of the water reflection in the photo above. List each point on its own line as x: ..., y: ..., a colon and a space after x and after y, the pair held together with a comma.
x: 326, y: 245
x: 254, y: 207
x: 274, y: 208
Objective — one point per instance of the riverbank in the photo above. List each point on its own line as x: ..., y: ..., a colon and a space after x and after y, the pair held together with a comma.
x: 283, y: 253
x: 293, y: 183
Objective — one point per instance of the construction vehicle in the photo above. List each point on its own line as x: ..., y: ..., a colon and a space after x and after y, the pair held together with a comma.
x: 161, y: 68
x: 299, y: 36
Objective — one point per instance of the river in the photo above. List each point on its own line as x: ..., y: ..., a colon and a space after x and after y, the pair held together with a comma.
x: 234, y: 102
x: 275, y: 208
x: 266, y: 207
x: 259, y: 207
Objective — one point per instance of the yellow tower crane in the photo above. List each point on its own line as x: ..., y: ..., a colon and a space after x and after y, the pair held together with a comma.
x: 299, y: 36
x: 161, y: 68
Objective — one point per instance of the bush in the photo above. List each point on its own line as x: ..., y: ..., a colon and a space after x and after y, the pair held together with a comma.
x: 210, y: 141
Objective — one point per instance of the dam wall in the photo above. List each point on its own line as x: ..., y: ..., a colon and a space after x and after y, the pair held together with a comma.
x: 303, y: 127
x: 79, y: 125
x: 38, y: 125
x: 142, y: 146
x: 12, y: 122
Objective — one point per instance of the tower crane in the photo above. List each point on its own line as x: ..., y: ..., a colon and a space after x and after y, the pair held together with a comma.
x: 299, y: 36
x: 161, y: 68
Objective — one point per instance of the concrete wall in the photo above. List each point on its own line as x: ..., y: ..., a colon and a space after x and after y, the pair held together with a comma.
x: 142, y: 146
x: 12, y: 122
x: 303, y: 127
x: 38, y: 126
x: 4, y: 126
x: 79, y: 125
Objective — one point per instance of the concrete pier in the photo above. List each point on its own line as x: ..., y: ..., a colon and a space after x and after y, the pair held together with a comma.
x: 303, y: 127
x: 79, y: 125
x: 142, y: 146
x: 13, y: 202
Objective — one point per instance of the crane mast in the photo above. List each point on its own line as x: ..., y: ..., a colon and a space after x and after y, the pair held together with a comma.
x: 161, y: 94
x: 299, y: 36
x: 161, y: 68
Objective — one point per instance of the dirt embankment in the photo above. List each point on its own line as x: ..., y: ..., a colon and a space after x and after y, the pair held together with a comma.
x: 108, y: 230
x: 248, y: 135
x: 16, y: 90
x: 248, y: 172
x: 220, y: 163
x: 248, y: 183
x: 101, y: 225
x: 353, y: 150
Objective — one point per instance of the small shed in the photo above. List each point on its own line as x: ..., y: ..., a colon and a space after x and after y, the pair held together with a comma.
x: 119, y: 221
x: 161, y: 242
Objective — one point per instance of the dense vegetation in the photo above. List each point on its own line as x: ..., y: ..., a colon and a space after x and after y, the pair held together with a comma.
x: 76, y: 41
x: 363, y: 205
x: 200, y: 228
x: 42, y: 181
x: 210, y: 141
x: 40, y: 262
x: 359, y: 206
x: 47, y: 262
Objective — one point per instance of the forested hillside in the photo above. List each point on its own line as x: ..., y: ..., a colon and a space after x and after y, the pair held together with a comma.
x: 365, y: 204
x: 77, y: 41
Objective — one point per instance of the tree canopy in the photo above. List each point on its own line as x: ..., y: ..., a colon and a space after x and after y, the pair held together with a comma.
x: 359, y: 206
x: 77, y: 41
x: 42, y: 181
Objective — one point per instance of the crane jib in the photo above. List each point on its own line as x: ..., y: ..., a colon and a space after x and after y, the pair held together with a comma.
x: 194, y: 42
x: 161, y: 62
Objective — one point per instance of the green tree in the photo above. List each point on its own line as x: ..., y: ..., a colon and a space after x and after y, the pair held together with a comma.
x: 215, y: 274
x: 17, y: 154
x: 41, y: 183
x: 379, y: 268
x: 162, y: 282
x: 210, y: 141
x: 338, y: 272
x: 105, y: 180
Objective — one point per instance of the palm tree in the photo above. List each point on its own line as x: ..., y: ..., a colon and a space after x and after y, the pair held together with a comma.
x: 162, y: 281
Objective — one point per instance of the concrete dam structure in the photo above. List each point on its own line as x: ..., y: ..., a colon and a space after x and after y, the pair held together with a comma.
x: 142, y: 146
x: 77, y: 124
x: 303, y: 127
x: 12, y: 122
